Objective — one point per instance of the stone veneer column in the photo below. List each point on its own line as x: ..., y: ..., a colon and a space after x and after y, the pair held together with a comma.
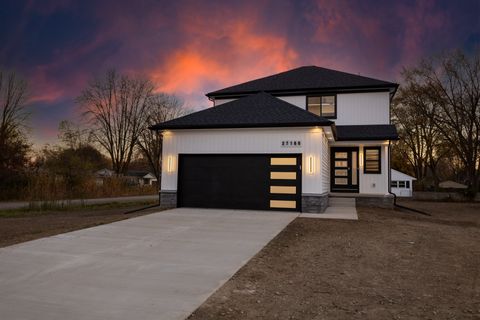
x: 314, y: 203
x: 168, y: 199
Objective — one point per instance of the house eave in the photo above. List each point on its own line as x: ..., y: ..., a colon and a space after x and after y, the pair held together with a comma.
x: 238, y: 126
x: 391, y: 88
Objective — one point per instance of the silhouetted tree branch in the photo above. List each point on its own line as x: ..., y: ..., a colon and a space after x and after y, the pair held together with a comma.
x: 162, y: 107
x: 117, y: 106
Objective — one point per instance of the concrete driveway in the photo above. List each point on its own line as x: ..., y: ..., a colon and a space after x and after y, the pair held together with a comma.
x: 159, y: 266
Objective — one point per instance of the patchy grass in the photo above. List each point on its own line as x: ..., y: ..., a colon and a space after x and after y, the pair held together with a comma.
x: 45, y: 210
x: 387, y: 265
x: 23, y: 225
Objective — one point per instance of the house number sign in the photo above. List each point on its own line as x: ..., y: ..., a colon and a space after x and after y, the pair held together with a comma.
x: 291, y: 143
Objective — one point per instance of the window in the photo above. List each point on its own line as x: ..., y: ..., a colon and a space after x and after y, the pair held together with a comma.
x: 401, y: 184
x: 324, y: 106
x: 372, y: 163
x: 407, y: 184
x: 394, y: 184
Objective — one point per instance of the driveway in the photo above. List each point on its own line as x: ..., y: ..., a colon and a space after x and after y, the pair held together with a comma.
x: 158, y: 266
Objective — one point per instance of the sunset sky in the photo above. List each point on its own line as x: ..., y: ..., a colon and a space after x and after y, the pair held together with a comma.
x: 192, y: 47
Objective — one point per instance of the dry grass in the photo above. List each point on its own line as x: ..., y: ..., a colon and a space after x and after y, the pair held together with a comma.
x: 49, y: 189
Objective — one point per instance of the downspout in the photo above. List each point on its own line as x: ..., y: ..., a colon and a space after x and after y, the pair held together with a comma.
x: 390, y: 173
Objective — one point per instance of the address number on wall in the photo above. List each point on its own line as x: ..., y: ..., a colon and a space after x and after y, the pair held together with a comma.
x: 291, y: 143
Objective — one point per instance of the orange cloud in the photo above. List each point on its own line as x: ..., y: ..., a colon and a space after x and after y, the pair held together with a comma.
x: 209, y: 60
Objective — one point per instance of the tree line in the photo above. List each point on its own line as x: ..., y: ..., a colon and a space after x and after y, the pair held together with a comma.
x: 437, y: 113
x: 118, y: 109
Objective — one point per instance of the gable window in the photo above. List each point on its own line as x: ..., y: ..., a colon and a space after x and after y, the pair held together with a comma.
x: 324, y: 106
x: 372, y: 160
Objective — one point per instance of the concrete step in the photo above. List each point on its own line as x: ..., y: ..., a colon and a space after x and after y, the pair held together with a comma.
x: 341, y: 210
x: 341, y: 202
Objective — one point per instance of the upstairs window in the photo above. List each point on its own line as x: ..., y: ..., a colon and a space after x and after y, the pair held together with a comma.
x: 324, y: 106
x: 372, y: 160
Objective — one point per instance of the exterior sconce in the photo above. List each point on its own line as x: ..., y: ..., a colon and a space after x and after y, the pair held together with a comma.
x: 310, y: 165
x: 170, y: 164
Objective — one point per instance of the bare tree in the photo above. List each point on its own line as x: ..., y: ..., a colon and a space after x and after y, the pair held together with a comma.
x: 73, y: 135
x: 162, y: 107
x: 13, y: 96
x: 421, y: 142
x: 452, y: 86
x: 117, y: 107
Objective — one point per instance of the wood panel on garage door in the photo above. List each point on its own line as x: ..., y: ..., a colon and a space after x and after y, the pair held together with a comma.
x: 240, y: 181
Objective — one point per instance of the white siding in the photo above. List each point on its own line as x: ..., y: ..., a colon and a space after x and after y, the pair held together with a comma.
x: 399, y: 176
x: 246, y: 141
x: 325, y: 165
x: 352, y: 108
x: 371, y: 183
x: 299, y: 101
x: 363, y: 108
x: 218, y: 102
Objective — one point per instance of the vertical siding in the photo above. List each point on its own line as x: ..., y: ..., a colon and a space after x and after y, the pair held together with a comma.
x: 375, y: 183
x: 363, y: 108
x: 260, y: 141
x: 218, y: 102
x: 325, y: 165
x: 299, y: 101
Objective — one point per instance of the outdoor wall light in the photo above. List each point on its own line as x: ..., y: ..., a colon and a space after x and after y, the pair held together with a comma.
x: 310, y: 165
x: 170, y: 164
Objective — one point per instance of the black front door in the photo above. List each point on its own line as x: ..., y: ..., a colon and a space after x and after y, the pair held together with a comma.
x: 344, y: 169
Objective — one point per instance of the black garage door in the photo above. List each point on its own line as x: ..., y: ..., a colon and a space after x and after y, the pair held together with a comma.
x: 250, y: 181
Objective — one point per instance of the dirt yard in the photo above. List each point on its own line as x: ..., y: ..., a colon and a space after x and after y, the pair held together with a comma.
x: 19, y: 226
x: 387, y: 265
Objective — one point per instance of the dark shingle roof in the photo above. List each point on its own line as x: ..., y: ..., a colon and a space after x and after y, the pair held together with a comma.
x: 366, y: 132
x: 305, y: 78
x: 258, y: 110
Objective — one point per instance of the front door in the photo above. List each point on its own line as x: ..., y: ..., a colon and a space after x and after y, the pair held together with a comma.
x: 344, y: 169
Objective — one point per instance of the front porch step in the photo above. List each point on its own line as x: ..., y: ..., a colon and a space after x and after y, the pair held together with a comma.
x: 341, y: 202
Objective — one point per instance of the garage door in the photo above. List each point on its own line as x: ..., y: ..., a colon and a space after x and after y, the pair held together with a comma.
x: 256, y: 182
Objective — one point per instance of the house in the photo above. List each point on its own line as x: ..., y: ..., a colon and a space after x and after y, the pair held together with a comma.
x: 101, y: 174
x: 401, y: 184
x: 289, y: 141
x: 141, y: 178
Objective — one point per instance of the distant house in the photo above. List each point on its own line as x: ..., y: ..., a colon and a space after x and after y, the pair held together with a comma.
x: 401, y: 183
x: 141, y: 178
x: 451, y: 185
x: 101, y: 174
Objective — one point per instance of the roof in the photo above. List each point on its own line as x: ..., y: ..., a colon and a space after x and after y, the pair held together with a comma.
x: 257, y: 110
x: 305, y: 78
x: 400, y: 175
x: 451, y: 185
x: 138, y: 173
x: 365, y: 132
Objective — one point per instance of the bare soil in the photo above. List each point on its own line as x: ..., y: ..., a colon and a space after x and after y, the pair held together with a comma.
x: 19, y: 226
x: 388, y: 265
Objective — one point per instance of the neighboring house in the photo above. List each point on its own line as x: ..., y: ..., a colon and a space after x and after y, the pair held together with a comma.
x: 451, y: 185
x: 140, y: 178
x: 401, y: 183
x: 101, y: 174
x: 284, y: 142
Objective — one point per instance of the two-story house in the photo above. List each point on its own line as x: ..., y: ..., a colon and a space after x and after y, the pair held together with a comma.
x: 283, y: 142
